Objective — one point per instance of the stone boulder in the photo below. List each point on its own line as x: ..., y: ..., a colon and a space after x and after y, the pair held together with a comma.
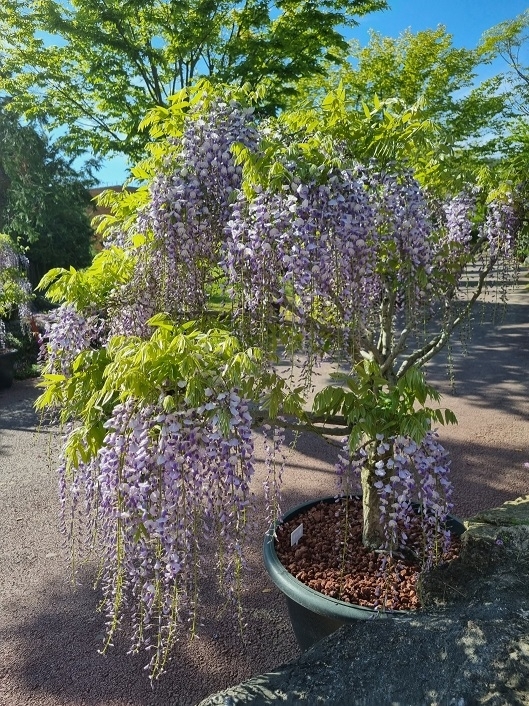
x: 469, y: 646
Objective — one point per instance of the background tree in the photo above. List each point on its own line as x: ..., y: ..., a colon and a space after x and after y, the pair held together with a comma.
x: 421, y: 85
x: 98, y: 65
x: 44, y: 203
x: 509, y: 40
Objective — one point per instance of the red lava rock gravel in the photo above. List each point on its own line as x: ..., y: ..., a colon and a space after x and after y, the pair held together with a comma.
x: 332, y: 560
x: 50, y: 631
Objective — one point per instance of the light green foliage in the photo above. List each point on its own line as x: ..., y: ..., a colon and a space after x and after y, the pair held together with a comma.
x: 385, y: 131
x: 508, y: 40
x: 99, y: 65
x: 180, y: 363
x: 196, y: 359
x: 412, y: 99
x: 370, y: 405
x: 91, y: 287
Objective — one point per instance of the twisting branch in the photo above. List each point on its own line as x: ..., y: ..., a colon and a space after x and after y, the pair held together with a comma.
x: 424, y: 354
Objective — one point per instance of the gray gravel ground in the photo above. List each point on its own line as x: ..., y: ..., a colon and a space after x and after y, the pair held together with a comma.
x: 50, y: 631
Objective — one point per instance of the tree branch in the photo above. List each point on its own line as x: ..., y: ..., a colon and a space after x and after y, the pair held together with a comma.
x: 424, y: 354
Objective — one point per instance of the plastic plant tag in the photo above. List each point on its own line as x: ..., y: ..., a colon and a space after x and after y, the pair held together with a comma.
x: 296, y: 535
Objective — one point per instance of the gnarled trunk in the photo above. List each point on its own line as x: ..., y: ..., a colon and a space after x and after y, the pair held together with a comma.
x: 373, y: 535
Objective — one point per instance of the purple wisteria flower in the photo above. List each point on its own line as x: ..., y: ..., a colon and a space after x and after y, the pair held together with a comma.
x: 161, y: 485
x: 15, y: 288
x: 67, y: 333
x: 406, y: 473
x: 185, y: 220
x: 351, y: 261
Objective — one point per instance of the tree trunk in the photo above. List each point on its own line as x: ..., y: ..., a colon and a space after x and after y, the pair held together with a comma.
x: 373, y: 536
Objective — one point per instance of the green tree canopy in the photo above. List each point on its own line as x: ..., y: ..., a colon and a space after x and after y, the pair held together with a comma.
x: 421, y: 91
x: 509, y: 40
x: 44, y: 203
x: 420, y: 84
x: 98, y: 65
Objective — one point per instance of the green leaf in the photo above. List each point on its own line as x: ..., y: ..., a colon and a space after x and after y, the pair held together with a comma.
x: 367, y: 111
x: 53, y: 377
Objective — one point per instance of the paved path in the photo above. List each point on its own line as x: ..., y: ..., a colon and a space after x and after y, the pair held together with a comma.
x: 50, y: 631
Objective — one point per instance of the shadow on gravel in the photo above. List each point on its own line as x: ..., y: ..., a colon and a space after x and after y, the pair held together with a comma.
x: 16, y: 407
x: 489, y: 365
x: 485, y: 476
x: 51, y: 655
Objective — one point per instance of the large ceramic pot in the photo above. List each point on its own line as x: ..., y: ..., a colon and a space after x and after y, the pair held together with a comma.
x: 7, y: 367
x: 314, y: 615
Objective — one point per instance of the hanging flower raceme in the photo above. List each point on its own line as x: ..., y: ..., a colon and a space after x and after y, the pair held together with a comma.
x: 67, y: 333
x: 185, y: 220
x: 459, y: 214
x: 500, y: 226
x: 165, y: 482
x: 405, y: 472
x: 170, y: 472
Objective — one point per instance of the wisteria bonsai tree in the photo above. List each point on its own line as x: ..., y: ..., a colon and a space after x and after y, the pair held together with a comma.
x: 249, y: 245
x: 15, y: 288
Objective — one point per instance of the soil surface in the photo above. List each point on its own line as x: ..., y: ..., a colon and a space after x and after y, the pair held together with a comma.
x: 50, y: 630
x: 332, y: 560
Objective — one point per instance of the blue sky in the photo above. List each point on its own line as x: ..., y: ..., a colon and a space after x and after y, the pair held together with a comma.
x: 466, y: 20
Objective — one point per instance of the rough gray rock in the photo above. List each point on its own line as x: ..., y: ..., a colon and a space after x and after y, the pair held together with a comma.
x: 469, y: 647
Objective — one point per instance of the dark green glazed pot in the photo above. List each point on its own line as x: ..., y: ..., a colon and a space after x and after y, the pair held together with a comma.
x: 314, y: 615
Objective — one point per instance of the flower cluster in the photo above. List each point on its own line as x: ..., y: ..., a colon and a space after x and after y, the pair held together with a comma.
x: 307, y: 248
x: 344, y: 259
x: 411, y: 478
x: 15, y: 288
x: 500, y: 226
x: 185, y: 220
x: 161, y: 484
x: 67, y: 333
x: 458, y: 219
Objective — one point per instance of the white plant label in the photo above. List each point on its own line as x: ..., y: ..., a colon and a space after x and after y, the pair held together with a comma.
x: 296, y: 535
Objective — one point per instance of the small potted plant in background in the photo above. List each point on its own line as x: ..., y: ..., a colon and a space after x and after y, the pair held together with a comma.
x: 15, y: 297
x: 252, y: 244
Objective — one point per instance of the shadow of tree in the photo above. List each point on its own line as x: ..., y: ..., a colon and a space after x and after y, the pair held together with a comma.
x: 488, y: 365
x: 50, y: 634
x: 60, y: 646
x: 16, y: 406
x: 50, y: 641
